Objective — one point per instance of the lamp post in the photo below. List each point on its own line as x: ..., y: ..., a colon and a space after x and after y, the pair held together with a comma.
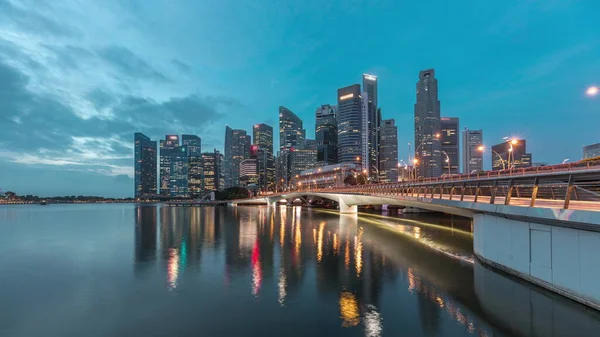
x: 436, y: 136
x: 481, y: 148
x: 447, y: 161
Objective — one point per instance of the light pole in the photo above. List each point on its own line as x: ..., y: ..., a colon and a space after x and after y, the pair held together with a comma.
x: 447, y: 161
x: 481, y: 148
x: 436, y: 136
x: 511, y: 142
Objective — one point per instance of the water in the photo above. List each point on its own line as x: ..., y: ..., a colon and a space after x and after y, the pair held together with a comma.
x: 126, y: 270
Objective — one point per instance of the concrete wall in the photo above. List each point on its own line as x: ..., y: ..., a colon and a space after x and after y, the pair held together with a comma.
x: 561, y: 259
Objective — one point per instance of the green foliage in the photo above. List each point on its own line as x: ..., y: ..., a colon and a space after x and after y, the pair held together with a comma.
x: 350, y: 180
x: 232, y: 193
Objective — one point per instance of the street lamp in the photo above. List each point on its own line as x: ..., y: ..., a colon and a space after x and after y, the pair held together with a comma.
x: 592, y: 91
x: 481, y: 149
x: 447, y: 161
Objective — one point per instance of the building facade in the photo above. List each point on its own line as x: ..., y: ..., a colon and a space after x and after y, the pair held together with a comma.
x: 388, y: 152
x: 511, y: 154
x: 326, y: 134
x: 196, y: 176
x: 302, y: 157
x: 144, y: 166
x: 237, y: 145
x: 263, y: 138
x: 178, y: 180
x: 213, y: 175
x: 228, y: 158
x: 370, y: 125
x: 450, y: 145
x: 291, y: 132
x: 167, y: 147
x: 591, y: 151
x: 193, y: 143
x: 349, y: 124
x: 472, y: 145
x: 428, y: 152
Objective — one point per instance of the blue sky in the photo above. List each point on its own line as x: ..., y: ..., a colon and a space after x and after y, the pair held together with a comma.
x: 78, y: 78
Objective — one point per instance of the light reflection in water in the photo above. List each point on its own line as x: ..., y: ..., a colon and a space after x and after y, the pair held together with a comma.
x: 417, y: 232
x: 320, y: 241
x: 347, y: 255
x: 256, y: 269
x: 372, y: 322
x: 173, y: 268
x: 281, y: 285
x: 336, y: 244
x: 349, y: 312
x: 297, y: 239
x: 358, y: 248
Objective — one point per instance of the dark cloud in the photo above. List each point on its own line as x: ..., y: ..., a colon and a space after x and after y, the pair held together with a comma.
x: 68, y: 56
x: 123, y: 179
x: 130, y: 64
x: 35, y: 22
x: 181, y: 66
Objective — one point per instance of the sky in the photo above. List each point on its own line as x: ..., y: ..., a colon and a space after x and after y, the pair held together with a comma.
x: 78, y: 78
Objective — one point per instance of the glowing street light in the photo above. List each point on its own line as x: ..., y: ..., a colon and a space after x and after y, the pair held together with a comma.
x: 592, y: 91
x: 481, y: 148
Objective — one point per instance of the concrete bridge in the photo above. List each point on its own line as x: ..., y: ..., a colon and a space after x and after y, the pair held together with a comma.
x: 544, y: 228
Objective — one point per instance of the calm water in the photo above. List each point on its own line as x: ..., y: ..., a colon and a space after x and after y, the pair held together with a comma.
x: 126, y: 270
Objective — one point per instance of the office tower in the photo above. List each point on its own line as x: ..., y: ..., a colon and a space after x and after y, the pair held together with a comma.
x: 237, y: 143
x: 248, y: 169
x: 427, y: 126
x: 326, y: 135
x: 370, y: 125
x: 302, y: 157
x: 167, y: 148
x: 179, y: 172
x: 349, y: 124
x: 145, y: 166
x: 228, y: 157
x: 450, y: 145
x: 263, y: 138
x: 591, y: 151
x: 388, y: 152
x: 291, y: 132
x: 510, y: 154
x: 472, y: 144
x: 193, y: 144
x: 195, y: 176
x: 213, y: 176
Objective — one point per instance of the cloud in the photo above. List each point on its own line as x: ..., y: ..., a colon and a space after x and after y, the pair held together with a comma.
x: 31, y: 20
x: 130, y: 64
x: 181, y: 66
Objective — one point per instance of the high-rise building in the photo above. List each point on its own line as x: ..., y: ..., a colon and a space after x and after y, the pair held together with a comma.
x: 450, y: 145
x: 248, y: 168
x: 237, y: 144
x: 326, y: 134
x: 167, y: 148
x: 370, y: 125
x: 591, y: 151
x: 178, y: 180
x: 193, y: 143
x: 472, y: 141
x: 145, y: 166
x: 213, y: 176
x: 427, y: 126
x: 291, y: 132
x: 349, y: 123
x: 196, y: 176
x: 511, y: 154
x: 263, y: 137
x: 388, y: 152
x: 302, y: 157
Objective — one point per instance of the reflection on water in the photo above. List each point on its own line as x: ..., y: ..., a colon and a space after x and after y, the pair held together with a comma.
x: 259, y: 271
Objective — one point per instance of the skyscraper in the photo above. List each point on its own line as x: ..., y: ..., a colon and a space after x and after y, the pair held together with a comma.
x: 167, y: 148
x: 291, y: 132
x: 472, y: 140
x: 213, y: 177
x: 591, y: 151
x: 193, y: 143
x: 302, y: 157
x: 178, y: 179
x: 427, y: 126
x: 349, y: 124
x: 263, y: 137
x: 511, y: 154
x: 248, y: 169
x: 237, y: 144
x: 326, y: 134
x: 450, y: 145
x: 228, y: 157
x: 145, y: 166
x: 195, y: 176
x: 388, y: 152
x: 370, y: 125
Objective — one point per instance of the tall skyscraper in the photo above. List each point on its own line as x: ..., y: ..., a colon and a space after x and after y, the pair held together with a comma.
x: 213, y: 176
x: 349, y: 124
x: 591, y: 151
x: 370, y: 125
x: 291, y: 132
x: 167, y: 148
x: 450, y: 145
x: 388, y: 152
x: 326, y: 135
x: 427, y: 126
x: 179, y: 172
x: 237, y: 144
x: 248, y: 168
x: 145, y: 166
x: 263, y: 137
x: 302, y: 157
x: 196, y: 176
x: 511, y: 154
x: 472, y: 140
x: 228, y: 157
x: 193, y: 143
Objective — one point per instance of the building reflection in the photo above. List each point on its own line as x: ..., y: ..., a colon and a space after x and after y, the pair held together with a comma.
x: 145, y: 237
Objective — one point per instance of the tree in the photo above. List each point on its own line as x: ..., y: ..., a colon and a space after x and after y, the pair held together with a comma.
x: 350, y: 180
x: 361, y: 180
x: 10, y: 194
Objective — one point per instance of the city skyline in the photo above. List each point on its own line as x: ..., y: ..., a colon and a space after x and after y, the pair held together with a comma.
x: 71, y: 105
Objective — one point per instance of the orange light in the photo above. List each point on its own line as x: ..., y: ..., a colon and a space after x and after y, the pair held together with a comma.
x: 346, y: 97
x: 480, y: 148
x: 365, y: 171
x: 514, y: 142
x: 415, y: 161
x: 592, y: 91
x: 357, y: 158
x: 437, y: 135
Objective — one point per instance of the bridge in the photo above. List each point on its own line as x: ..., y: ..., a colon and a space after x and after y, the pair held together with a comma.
x: 541, y: 225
